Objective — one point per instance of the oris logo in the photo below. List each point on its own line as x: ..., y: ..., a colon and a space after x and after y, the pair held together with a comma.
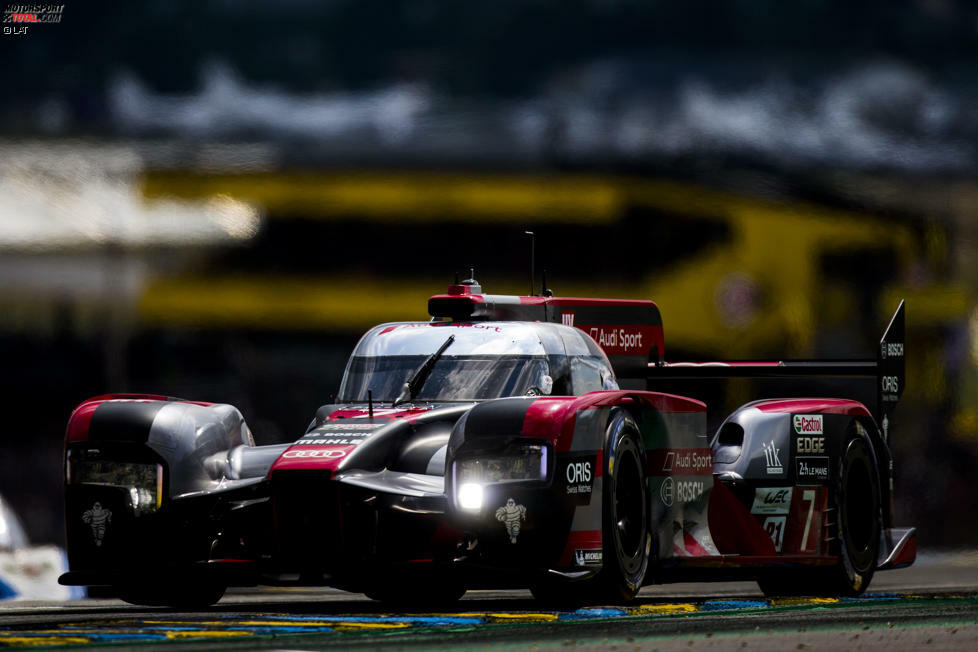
x: 578, y: 472
x: 323, y: 453
x: 891, y: 384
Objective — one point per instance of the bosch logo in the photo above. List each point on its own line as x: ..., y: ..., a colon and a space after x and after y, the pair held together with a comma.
x: 578, y: 472
x: 891, y: 350
x: 327, y: 453
x: 667, y: 491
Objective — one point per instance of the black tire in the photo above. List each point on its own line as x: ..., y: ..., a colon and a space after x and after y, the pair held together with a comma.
x: 857, y: 499
x: 179, y: 595
x: 625, y: 528
x: 858, y: 502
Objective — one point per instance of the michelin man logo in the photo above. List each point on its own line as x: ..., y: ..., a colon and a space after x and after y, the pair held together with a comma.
x: 510, y: 515
x: 98, y: 518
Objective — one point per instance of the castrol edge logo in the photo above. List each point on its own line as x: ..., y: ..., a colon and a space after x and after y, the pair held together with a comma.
x: 808, y: 424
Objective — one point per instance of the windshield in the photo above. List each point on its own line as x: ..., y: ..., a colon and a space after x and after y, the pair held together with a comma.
x: 478, y: 361
x: 453, y: 378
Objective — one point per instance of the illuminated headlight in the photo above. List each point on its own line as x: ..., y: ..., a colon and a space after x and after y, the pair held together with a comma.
x: 144, y: 481
x: 523, y: 463
x: 470, y: 496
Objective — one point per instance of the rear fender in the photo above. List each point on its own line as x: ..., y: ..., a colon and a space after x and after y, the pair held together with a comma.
x: 789, y: 443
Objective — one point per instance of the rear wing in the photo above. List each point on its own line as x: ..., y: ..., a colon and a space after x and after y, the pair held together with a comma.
x: 889, y: 368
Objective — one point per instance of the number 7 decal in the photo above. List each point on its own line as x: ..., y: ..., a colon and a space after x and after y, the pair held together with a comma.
x: 808, y: 495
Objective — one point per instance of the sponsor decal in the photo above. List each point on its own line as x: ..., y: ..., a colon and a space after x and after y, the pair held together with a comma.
x: 810, y: 445
x: 808, y: 424
x: 328, y: 453
x: 890, y: 387
x: 340, y: 434
x: 771, y: 500
x: 689, y: 490
x: 588, y: 557
x: 567, y: 318
x: 813, y: 469
x: 619, y: 340
x: 682, y: 461
x: 891, y: 350
x: 667, y: 491
x: 579, y: 477
x: 511, y: 515
x: 329, y: 441
x: 98, y: 518
x: 772, y: 459
x: 775, y: 527
x: 681, y: 491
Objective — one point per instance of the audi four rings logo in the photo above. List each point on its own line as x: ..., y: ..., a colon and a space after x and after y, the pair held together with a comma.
x: 328, y: 453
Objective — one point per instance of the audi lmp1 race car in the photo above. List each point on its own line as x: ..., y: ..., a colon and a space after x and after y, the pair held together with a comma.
x: 495, y: 446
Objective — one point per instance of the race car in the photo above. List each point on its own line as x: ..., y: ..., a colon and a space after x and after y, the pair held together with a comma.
x: 510, y: 441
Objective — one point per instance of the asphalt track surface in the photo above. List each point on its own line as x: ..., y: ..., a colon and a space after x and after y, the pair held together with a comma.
x: 933, y: 605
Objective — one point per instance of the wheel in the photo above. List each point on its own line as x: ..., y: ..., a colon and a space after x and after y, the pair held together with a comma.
x: 625, y: 526
x: 858, y: 503
x: 625, y: 529
x: 189, y: 594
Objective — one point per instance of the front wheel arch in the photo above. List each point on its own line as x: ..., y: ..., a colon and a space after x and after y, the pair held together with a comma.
x: 626, y: 522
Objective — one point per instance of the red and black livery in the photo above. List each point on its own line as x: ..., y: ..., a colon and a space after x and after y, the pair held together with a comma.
x: 508, y: 442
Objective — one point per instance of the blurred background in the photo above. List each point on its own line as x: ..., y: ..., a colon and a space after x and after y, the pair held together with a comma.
x: 213, y: 199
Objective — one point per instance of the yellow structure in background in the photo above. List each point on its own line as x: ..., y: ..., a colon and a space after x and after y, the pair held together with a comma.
x: 759, y: 293
x: 755, y: 293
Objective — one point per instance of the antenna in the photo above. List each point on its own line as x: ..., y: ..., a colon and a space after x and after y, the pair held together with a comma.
x: 533, y: 241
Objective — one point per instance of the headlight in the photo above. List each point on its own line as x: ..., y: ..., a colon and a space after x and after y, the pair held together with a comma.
x: 470, y: 496
x: 522, y: 463
x: 144, y: 481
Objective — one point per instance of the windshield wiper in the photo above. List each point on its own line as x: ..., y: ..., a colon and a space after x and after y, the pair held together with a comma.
x: 413, y: 386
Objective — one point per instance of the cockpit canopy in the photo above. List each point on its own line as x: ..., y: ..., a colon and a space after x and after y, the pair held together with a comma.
x: 485, y: 360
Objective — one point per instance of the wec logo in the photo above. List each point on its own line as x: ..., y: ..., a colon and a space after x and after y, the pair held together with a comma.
x: 808, y: 424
